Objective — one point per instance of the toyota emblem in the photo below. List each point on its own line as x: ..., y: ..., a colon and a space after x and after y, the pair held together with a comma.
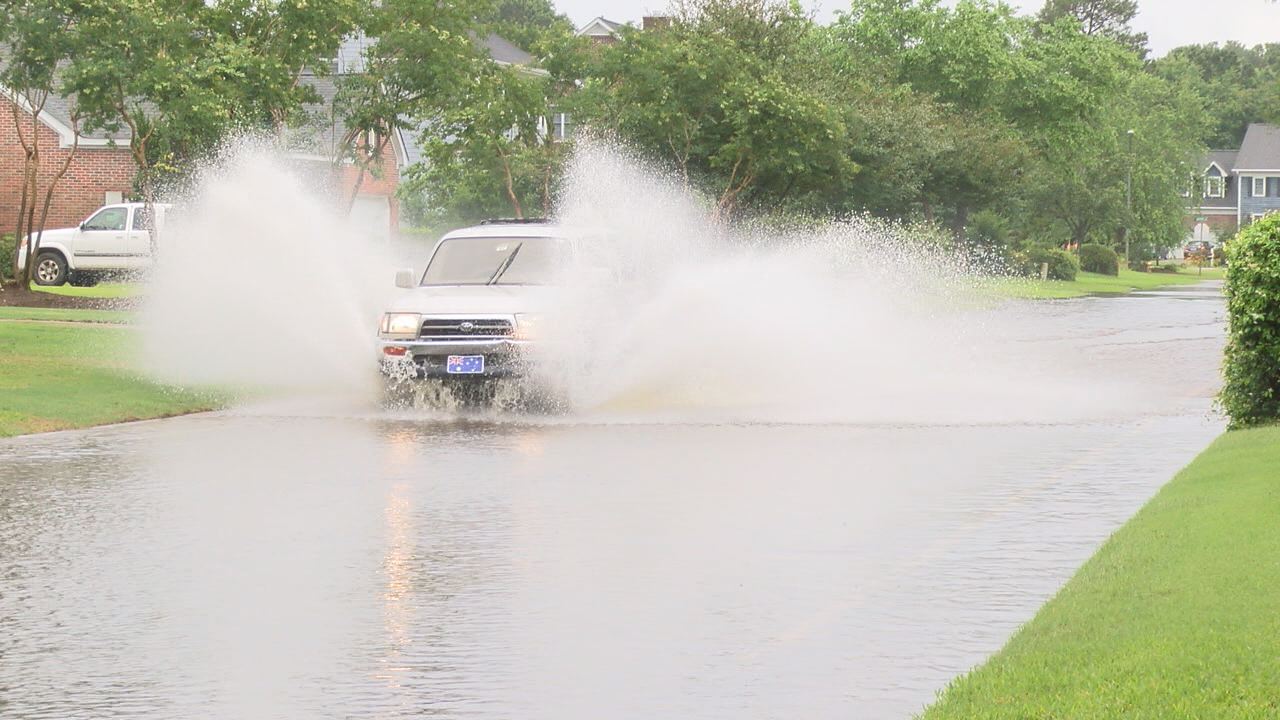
x: 467, y: 327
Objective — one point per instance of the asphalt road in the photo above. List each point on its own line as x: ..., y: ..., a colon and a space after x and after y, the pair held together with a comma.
x: 324, y: 560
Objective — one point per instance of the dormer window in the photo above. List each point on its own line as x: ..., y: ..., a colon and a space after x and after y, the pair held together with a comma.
x: 1259, y: 187
x: 1214, y: 187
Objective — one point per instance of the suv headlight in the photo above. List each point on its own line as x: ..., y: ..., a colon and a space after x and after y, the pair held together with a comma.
x: 527, y: 326
x: 400, y: 326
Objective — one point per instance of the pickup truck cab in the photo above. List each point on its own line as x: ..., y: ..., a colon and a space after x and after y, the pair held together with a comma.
x: 115, y: 239
x: 473, y: 314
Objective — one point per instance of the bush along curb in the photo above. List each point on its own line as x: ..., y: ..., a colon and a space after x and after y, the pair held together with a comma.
x: 1251, y: 389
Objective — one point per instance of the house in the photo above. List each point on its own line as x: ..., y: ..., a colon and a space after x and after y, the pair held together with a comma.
x: 1239, y: 186
x: 321, y: 147
x: 1257, y: 170
x: 601, y: 31
x: 101, y: 172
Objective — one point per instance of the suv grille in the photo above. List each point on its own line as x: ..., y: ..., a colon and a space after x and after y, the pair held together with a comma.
x: 465, y: 329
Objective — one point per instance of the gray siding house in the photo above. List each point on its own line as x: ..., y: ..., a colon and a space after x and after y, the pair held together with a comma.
x: 1239, y: 186
x: 1257, y: 170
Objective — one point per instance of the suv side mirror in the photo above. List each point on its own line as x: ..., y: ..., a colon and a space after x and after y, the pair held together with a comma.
x: 404, y: 278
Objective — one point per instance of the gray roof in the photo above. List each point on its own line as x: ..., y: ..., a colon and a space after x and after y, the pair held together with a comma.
x: 1260, y: 149
x: 1226, y: 159
x: 321, y: 130
x: 57, y: 108
x: 502, y: 51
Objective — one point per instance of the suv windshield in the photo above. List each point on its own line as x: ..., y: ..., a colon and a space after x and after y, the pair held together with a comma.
x: 495, y: 261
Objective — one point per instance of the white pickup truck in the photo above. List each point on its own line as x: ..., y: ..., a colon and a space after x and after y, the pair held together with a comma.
x: 114, y: 240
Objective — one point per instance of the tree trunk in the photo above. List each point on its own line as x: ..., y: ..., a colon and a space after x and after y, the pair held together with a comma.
x: 510, y: 183
x: 48, y: 193
x: 959, y: 223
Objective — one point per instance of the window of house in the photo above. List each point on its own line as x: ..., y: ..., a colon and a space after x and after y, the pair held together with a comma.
x: 561, y: 129
x: 108, y: 219
x: 1214, y: 187
x: 1259, y: 187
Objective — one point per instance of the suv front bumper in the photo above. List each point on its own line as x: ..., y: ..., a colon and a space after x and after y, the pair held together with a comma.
x: 422, y: 359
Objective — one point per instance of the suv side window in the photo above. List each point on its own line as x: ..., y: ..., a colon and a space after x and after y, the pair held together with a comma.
x: 108, y: 219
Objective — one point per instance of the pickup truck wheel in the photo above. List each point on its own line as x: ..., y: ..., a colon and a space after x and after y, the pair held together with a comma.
x: 50, y: 269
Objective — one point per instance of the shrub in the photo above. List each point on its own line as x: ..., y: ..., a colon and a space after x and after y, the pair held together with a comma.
x: 6, y: 256
x: 1096, y: 258
x: 1062, y: 264
x: 1251, y: 391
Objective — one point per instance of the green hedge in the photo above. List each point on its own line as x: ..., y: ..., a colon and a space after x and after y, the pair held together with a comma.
x: 6, y: 256
x: 1251, y: 392
x: 1096, y: 258
x: 1062, y: 264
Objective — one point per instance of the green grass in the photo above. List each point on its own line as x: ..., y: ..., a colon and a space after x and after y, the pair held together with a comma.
x: 1094, y: 284
x: 65, y: 315
x: 58, y: 376
x: 104, y: 290
x: 1177, y: 616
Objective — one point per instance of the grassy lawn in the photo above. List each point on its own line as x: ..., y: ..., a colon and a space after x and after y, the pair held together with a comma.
x: 1095, y: 284
x: 65, y: 315
x: 59, y: 376
x: 103, y: 290
x: 1177, y: 616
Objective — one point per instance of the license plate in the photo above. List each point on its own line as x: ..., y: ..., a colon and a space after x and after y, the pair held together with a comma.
x: 465, y: 365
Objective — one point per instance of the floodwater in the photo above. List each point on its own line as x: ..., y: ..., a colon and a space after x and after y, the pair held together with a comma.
x: 312, y: 560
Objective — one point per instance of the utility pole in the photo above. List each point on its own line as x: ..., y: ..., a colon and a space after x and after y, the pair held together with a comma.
x: 1128, y: 199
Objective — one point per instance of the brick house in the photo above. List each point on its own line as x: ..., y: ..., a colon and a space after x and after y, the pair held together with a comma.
x: 1239, y: 186
x: 101, y: 172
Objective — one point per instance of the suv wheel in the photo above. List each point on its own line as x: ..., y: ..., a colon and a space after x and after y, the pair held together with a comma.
x: 51, y: 269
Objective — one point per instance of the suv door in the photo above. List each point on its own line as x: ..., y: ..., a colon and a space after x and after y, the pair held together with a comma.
x: 140, y: 238
x: 102, y: 241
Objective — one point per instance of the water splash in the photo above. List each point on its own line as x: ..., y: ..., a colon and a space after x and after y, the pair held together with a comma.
x: 261, y: 285
x: 849, y: 321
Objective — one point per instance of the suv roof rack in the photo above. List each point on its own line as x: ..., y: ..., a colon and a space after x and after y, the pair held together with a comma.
x: 515, y: 221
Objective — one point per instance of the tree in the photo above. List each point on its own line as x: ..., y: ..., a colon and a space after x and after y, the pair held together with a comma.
x: 155, y: 69
x: 266, y: 44
x: 533, y: 25
x: 714, y: 96
x: 1240, y: 85
x: 423, y: 61
x: 1105, y: 18
x: 493, y: 156
x: 38, y: 37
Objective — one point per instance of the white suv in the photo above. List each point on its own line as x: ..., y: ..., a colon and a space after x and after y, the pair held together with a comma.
x: 115, y: 239
x: 473, y: 314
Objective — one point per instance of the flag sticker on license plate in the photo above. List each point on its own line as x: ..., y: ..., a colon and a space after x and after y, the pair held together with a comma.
x: 465, y: 365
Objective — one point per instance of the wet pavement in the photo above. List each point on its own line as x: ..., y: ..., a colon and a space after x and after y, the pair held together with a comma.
x: 284, y: 563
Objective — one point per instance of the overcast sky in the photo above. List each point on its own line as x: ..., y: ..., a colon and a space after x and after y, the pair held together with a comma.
x: 1169, y: 23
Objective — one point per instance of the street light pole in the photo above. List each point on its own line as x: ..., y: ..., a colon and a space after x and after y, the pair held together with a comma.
x: 1128, y: 199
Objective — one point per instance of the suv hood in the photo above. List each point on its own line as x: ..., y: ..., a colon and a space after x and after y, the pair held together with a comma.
x: 475, y: 299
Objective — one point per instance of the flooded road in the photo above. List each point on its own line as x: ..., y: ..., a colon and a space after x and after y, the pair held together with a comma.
x: 287, y: 562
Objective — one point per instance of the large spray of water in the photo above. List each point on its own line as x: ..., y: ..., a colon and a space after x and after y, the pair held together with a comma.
x: 261, y: 285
